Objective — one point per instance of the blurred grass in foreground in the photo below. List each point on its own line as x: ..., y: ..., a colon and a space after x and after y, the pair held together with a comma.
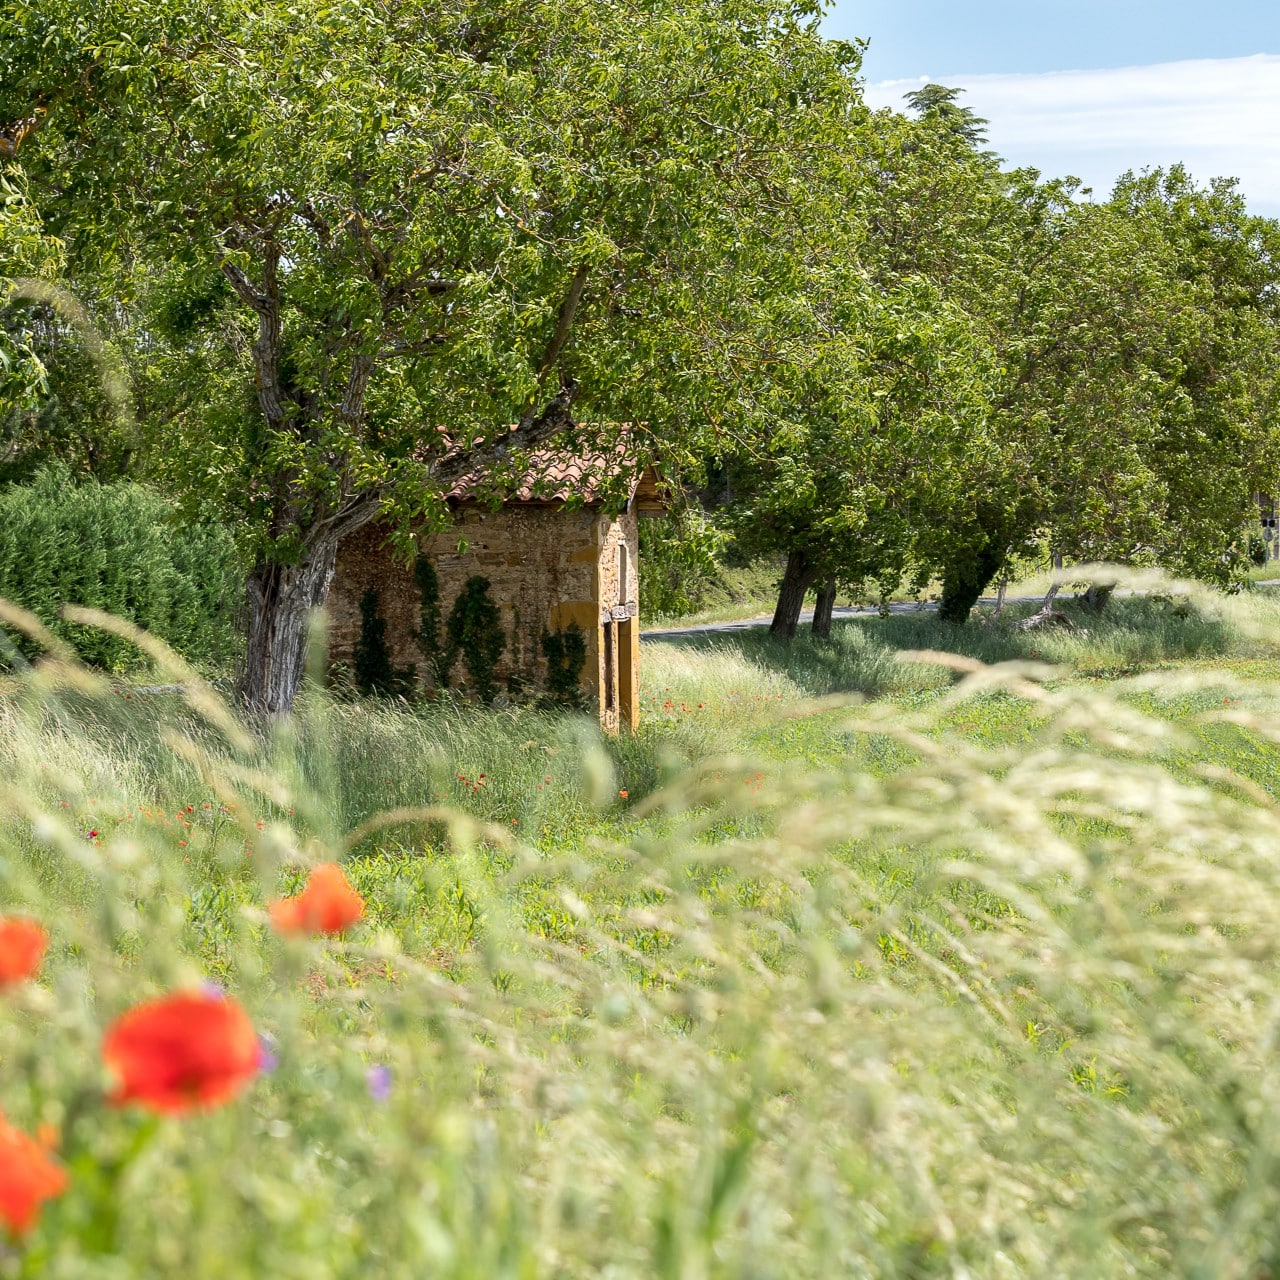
x: 976, y: 980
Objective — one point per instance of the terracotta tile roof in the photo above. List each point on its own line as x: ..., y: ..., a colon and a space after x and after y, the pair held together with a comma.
x: 551, y: 476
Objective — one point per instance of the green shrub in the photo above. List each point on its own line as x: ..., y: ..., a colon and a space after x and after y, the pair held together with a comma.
x: 120, y: 548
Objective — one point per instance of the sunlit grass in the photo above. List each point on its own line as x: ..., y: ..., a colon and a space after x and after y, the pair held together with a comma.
x: 975, y: 977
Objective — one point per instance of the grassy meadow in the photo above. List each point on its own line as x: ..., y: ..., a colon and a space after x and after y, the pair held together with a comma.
x: 921, y: 952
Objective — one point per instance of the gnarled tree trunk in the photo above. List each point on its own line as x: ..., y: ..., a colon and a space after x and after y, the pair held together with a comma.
x: 796, y: 580
x: 823, y: 609
x: 281, y: 598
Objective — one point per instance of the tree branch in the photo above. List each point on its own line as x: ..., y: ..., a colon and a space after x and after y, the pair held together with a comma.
x: 266, y: 349
x: 564, y: 321
x: 352, y: 407
x: 244, y: 287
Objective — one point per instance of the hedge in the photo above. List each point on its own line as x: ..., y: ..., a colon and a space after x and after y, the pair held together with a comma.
x: 119, y: 547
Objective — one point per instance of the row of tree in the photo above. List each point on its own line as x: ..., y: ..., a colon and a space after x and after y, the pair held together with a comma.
x: 313, y: 235
x: 1009, y: 366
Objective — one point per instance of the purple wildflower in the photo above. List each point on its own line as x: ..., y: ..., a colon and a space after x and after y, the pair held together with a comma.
x: 378, y: 1081
x: 268, y: 1060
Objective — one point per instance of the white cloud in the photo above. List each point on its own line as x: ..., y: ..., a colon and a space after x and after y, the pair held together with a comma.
x: 1219, y: 116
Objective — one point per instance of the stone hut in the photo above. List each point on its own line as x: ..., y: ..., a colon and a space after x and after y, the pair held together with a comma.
x: 551, y: 573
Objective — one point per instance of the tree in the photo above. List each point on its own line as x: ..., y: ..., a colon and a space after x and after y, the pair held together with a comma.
x: 878, y: 425
x: 1136, y: 411
x: 27, y: 253
x: 1074, y: 307
x: 390, y: 219
x: 936, y: 102
x: 71, y: 417
x: 1092, y: 328
x: 1219, y: 437
x: 1104, y: 377
x: 880, y: 381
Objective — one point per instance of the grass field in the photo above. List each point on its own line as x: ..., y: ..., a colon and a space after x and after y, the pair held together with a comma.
x: 925, y: 952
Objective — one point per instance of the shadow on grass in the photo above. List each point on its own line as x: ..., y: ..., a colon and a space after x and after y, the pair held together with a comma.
x: 862, y: 654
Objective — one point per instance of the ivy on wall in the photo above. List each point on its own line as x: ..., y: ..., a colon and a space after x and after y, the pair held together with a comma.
x: 374, y: 673
x: 566, y: 653
x: 431, y: 621
x: 474, y: 631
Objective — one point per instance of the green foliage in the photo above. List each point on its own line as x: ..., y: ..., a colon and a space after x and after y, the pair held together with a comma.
x: 468, y: 215
x: 1219, y: 433
x: 374, y: 672
x: 71, y: 419
x: 1257, y: 549
x: 566, y: 653
x: 883, y: 428
x: 907, y: 362
x: 1014, y: 371
x: 431, y: 621
x: 26, y: 250
x: 679, y: 556
x: 121, y: 548
x: 474, y: 631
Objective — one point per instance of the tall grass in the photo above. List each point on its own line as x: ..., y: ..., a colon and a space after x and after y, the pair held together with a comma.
x: 1006, y: 1009
x: 1134, y: 633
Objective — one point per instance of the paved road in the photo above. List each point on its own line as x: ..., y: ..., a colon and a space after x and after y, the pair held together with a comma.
x: 764, y: 619
x: 910, y: 606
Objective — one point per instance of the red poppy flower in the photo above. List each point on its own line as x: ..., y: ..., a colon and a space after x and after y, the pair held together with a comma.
x: 22, y: 947
x: 189, y: 1049
x: 328, y: 904
x: 28, y: 1177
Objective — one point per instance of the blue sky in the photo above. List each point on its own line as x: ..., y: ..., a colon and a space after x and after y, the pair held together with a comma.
x: 1094, y: 87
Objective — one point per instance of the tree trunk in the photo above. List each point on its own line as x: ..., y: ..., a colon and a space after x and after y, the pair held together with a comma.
x: 964, y: 582
x: 1055, y: 560
x: 1048, y: 616
x: 1047, y: 613
x: 822, y: 610
x: 797, y: 579
x: 281, y: 598
x: 999, y: 609
x: 1097, y: 596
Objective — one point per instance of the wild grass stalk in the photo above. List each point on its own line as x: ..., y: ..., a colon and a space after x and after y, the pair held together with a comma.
x: 1003, y: 1007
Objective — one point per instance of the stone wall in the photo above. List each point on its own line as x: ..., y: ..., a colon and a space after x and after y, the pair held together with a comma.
x: 547, y: 566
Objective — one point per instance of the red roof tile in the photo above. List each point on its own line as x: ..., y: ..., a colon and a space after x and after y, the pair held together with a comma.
x: 549, y: 475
